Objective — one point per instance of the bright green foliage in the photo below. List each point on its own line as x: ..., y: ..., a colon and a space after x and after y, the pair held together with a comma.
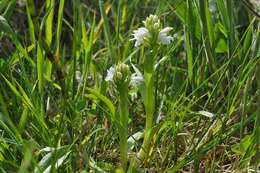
x: 196, y: 107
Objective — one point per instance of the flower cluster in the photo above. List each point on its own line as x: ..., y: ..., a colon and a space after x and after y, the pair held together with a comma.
x: 121, y: 74
x: 152, y: 32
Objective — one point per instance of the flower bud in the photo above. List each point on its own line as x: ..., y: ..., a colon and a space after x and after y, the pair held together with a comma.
x: 122, y: 73
x: 118, y: 76
x: 152, y: 23
x: 157, y: 26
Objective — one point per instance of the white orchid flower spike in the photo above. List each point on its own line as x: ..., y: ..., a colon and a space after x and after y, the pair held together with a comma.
x: 152, y: 30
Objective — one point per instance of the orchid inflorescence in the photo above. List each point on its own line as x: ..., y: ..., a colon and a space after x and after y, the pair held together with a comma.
x: 121, y: 73
x: 152, y: 33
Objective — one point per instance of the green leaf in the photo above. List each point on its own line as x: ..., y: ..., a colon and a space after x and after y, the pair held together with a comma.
x: 104, y: 99
x: 30, y: 22
x: 23, y: 119
x: 54, y: 157
x: 5, y: 27
x: 59, y: 27
x: 49, y: 21
x: 40, y: 68
x: 221, y: 46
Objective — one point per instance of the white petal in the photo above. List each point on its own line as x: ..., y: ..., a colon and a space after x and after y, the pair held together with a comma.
x: 137, y: 77
x: 141, y: 31
x: 110, y: 74
x: 139, y: 35
x: 163, y: 38
x: 47, y: 149
x: 166, y: 30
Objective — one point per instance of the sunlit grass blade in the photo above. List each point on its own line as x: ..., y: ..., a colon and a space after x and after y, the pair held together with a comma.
x: 40, y: 61
x: 30, y: 23
x: 107, y: 31
x: 49, y: 33
x: 76, y: 42
x: 49, y: 21
x: 59, y: 28
x: 88, y: 43
x: 21, y: 94
x: 40, y: 75
x: 205, y: 33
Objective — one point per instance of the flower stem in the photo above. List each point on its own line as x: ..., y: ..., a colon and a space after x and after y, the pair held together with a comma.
x: 123, y: 126
x: 149, y: 107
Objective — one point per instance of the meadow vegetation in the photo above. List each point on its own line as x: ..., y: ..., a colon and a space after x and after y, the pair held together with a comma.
x: 129, y: 86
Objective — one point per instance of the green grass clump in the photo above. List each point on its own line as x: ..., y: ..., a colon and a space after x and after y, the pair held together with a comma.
x: 78, y: 94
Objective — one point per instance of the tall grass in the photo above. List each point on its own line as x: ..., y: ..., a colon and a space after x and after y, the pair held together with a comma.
x: 197, y: 110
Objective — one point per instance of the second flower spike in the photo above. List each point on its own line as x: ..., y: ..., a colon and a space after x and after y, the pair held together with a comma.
x: 120, y: 73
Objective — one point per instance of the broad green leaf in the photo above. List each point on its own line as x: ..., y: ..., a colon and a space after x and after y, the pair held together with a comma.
x: 221, y: 46
x: 105, y: 100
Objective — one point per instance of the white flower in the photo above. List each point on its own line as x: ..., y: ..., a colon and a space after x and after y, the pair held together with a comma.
x: 137, y: 77
x: 110, y: 74
x: 139, y: 36
x: 163, y: 38
x: 152, y: 29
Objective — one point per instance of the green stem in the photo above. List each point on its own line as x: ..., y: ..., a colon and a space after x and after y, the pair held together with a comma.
x: 149, y: 107
x: 123, y: 127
